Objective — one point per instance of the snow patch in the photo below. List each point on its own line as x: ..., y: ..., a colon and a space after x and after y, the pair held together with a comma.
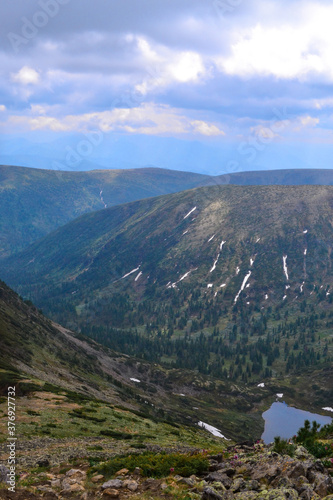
x: 210, y: 285
x: 301, y: 287
x: 210, y: 239
x: 251, y: 262
x: 243, y: 285
x: 173, y: 285
x: 191, y: 211
x: 258, y: 240
x: 128, y: 274
x: 185, y: 232
x: 213, y: 430
x: 305, y: 231
x: 215, y: 262
x: 305, y: 251
x: 280, y: 395
x: 138, y: 276
x: 223, y: 285
x: 266, y: 297
x: 221, y: 244
x: 102, y: 199
x: 285, y: 269
x: 284, y: 297
x: 135, y: 380
x: 261, y: 385
x: 237, y: 270
x: 328, y: 408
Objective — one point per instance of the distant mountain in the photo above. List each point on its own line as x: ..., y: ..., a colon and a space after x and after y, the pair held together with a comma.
x: 232, y: 281
x: 33, y: 202
x: 288, y: 177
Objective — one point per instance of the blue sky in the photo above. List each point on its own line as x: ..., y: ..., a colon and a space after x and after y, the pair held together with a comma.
x: 239, y: 82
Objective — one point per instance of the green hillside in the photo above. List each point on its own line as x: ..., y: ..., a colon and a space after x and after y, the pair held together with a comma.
x: 34, y: 202
x: 153, y: 279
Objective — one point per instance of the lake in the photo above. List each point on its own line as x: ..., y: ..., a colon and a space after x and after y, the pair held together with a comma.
x: 284, y: 421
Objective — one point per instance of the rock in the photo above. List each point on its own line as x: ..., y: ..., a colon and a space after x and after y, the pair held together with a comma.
x: 219, y: 487
x: 164, y: 486
x: 301, y: 452
x: 4, y: 474
x: 210, y: 494
x: 122, y: 472
x: 43, y: 462
x: 137, y: 471
x: 71, y: 488
x: 238, y: 485
x: 113, y: 483
x: 266, y: 471
x: 278, y: 494
x: 252, y: 485
x: 297, y: 470
x: 188, y: 481
x: 97, y: 478
x: 56, y: 483
x: 130, y: 484
x: 220, y: 477
x: 77, y: 474
x: 323, y: 485
x: 111, y: 493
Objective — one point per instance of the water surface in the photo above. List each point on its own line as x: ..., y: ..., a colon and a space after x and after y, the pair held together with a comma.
x: 284, y: 421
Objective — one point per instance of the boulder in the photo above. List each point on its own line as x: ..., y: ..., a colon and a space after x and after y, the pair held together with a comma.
x: 113, y: 483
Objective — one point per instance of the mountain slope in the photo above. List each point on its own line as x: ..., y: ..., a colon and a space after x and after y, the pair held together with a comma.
x: 230, y: 281
x: 33, y: 202
x: 44, y: 360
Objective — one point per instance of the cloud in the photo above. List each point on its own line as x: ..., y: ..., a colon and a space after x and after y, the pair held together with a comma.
x: 26, y: 76
x: 300, y: 48
x: 204, y: 128
x: 165, y: 67
x: 146, y: 119
x: 2, y: 107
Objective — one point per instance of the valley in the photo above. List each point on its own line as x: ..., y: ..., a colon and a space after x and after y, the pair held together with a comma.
x: 230, y: 281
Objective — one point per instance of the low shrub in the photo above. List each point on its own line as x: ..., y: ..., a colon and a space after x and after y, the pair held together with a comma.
x: 157, y: 464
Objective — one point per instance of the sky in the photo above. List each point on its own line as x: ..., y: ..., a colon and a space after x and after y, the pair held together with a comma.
x: 207, y: 85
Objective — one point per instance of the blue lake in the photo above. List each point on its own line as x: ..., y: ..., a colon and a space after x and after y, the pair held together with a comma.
x: 284, y: 421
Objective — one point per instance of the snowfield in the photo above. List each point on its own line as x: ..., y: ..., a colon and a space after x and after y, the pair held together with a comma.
x: 213, y: 430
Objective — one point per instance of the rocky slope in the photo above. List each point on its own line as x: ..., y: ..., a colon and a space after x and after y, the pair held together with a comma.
x: 244, y: 472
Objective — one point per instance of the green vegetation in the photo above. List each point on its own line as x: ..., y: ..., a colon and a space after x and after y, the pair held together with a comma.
x: 284, y: 447
x: 157, y: 464
x: 318, y: 441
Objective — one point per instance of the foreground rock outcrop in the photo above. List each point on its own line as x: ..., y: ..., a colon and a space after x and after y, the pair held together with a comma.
x: 242, y: 472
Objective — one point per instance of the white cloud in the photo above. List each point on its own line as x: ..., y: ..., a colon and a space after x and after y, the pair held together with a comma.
x: 205, y: 128
x: 165, y: 67
x: 145, y: 119
x: 297, y: 49
x: 26, y: 76
x: 2, y: 107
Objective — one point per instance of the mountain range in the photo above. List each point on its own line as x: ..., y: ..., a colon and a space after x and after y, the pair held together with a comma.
x: 34, y: 202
